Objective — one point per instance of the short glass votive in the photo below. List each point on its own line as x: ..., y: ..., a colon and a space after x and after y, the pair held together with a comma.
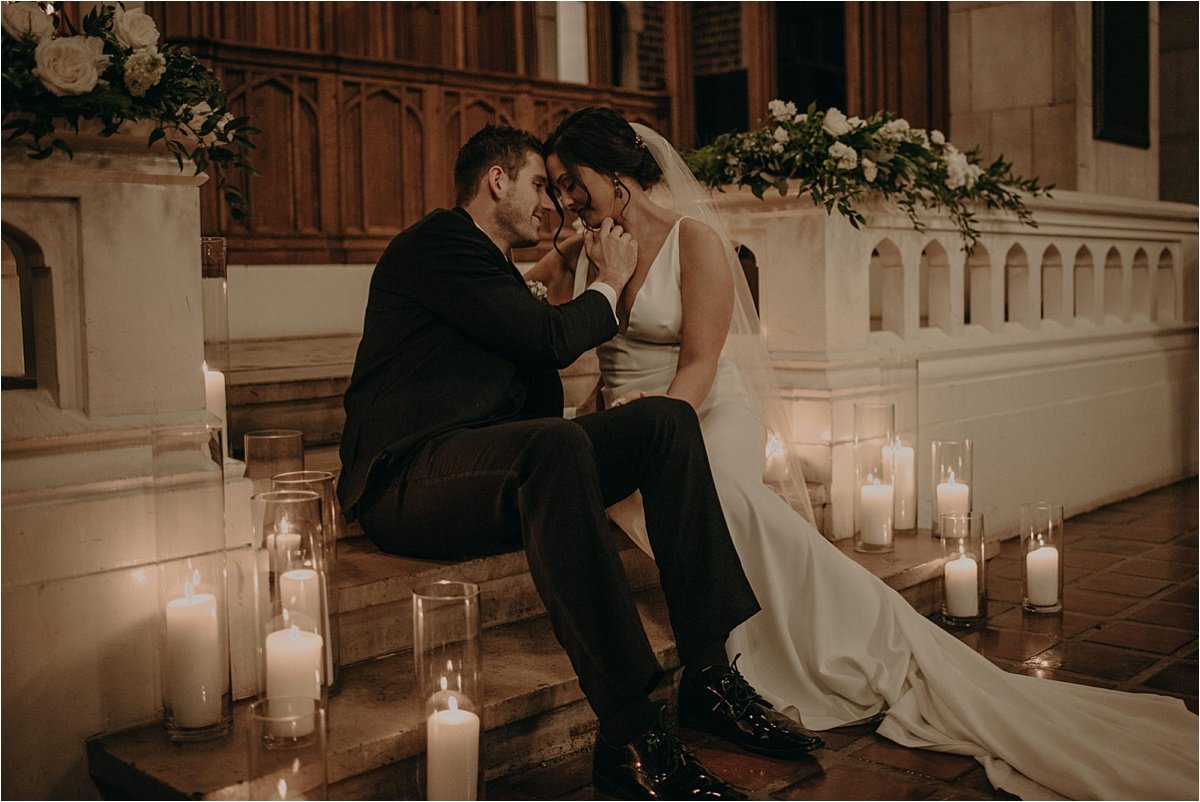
x: 964, y: 568
x: 448, y: 665
x: 952, y: 479
x: 189, y: 494
x: 874, y: 472
x: 1042, y: 552
x: 270, y: 452
x: 290, y: 606
x: 288, y: 758
x: 323, y: 483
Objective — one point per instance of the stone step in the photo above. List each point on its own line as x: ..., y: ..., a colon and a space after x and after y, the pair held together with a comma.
x: 374, y: 592
x: 534, y: 712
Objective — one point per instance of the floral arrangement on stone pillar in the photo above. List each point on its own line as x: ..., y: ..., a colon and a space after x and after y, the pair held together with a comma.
x: 115, y: 71
x: 839, y: 160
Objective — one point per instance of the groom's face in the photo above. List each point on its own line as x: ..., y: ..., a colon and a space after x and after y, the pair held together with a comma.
x: 524, y: 202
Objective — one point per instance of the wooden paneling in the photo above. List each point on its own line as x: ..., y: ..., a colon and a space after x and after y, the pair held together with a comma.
x: 896, y: 59
x: 363, y: 107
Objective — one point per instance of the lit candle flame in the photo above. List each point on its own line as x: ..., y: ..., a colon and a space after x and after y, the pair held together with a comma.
x: 962, y: 550
x: 774, y: 447
x: 951, y: 482
x: 284, y: 526
x: 443, y: 683
x: 295, y: 632
x: 453, y: 703
x: 281, y: 787
x: 872, y: 480
x: 196, y: 578
x: 187, y: 590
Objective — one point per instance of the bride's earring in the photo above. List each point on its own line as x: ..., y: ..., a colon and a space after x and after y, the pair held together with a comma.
x: 617, y: 189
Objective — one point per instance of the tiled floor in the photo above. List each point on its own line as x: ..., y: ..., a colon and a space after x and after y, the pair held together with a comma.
x: 1130, y: 623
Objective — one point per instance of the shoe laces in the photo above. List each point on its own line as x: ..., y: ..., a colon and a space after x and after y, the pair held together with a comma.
x: 736, y: 691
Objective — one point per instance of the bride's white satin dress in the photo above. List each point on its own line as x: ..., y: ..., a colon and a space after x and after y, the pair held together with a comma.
x: 833, y: 645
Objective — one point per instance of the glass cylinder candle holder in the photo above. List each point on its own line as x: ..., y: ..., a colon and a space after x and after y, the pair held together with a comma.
x: 323, y: 483
x: 1042, y: 551
x: 874, y: 473
x: 292, y: 638
x: 270, y: 452
x: 189, y: 516
x: 952, y: 480
x: 903, y: 458
x: 964, y: 568
x: 288, y: 757
x: 448, y: 665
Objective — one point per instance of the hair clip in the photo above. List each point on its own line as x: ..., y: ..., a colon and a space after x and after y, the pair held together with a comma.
x: 637, y: 139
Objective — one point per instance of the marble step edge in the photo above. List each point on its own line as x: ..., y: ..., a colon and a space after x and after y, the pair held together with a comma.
x: 374, y: 722
x: 375, y: 616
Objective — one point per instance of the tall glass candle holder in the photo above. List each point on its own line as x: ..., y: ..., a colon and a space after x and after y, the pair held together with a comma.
x: 899, y: 376
x: 952, y: 480
x: 189, y: 516
x: 270, y: 452
x: 874, y: 472
x: 323, y: 484
x: 287, y: 757
x: 1042, y: 554
x: 964, y: 568
x: 214, y: 305
x: 448, y: 664
x: 292, y: 637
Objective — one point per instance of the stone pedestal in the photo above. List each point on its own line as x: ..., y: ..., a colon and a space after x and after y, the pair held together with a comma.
x: 111, y: 242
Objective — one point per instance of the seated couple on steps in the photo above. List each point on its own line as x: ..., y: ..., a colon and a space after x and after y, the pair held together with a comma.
x: 453, y: 414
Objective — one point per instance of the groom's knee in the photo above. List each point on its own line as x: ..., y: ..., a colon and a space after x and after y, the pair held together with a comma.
x: 671, y: 414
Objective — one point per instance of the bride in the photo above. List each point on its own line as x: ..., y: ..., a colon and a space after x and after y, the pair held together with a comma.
x: 833, y: 645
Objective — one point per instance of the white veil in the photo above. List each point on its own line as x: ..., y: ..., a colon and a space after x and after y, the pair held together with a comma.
x: 744, y: 346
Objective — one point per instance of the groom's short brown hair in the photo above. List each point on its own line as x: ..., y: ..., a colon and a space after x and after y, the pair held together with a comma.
x: 499, y: 145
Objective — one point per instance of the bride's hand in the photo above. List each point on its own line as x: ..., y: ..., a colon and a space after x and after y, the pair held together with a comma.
x: 613, y: 251
x: 632, y: 395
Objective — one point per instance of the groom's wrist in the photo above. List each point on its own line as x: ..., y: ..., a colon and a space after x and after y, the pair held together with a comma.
x: 608, y: 292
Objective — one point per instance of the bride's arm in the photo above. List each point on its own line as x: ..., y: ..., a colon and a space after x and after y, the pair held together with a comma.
x: 557, y: 270
x: 707, y: 290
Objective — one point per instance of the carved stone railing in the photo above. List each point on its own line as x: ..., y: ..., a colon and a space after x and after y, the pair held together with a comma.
x: 1066, y: 352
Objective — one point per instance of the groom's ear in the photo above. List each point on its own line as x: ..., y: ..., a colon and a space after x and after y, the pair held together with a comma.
x: 495, y: 181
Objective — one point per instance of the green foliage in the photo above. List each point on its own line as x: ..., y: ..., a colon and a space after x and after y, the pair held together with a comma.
x: 839, y: 160
x: 186, y: 103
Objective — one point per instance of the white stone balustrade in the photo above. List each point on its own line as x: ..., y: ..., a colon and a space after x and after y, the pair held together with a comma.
x: 1068, y: 352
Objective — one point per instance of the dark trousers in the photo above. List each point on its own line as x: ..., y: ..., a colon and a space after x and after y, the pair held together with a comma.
x: 543, y: 484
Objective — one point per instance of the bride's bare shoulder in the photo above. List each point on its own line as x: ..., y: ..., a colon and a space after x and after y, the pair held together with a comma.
x: 697, y: 238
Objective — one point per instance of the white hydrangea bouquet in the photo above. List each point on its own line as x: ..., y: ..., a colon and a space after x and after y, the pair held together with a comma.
x: 115, y: 71
x: 839, y: 159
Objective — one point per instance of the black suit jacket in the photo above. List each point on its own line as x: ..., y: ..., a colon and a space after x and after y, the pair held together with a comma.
x: 452, y: 338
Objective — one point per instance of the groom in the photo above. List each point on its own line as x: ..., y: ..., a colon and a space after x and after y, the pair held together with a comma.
x: 455, y: 446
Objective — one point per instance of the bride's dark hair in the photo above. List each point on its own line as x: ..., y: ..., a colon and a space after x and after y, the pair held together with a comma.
x: 603, y: 140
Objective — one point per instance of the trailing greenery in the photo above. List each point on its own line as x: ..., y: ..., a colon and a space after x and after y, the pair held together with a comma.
x: 115, y: 72
x: 839, y: 160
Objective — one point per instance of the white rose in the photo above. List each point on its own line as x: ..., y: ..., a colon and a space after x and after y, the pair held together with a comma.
x: 893, y: 130
x: 27, y: 19
x: 855, y: 123
x: 70, y: 65
x: 781, y: 136
x: 919, y: 135
x: 143, y: 70
x: 958, y: 170
x: 777, y: 147
x: 937, y: 137
x: 835, y: 122
x: 847, y: 157
x: 800, y: 118
x: 869, y: 169
x: 781, y: 110
x: 134, y: 29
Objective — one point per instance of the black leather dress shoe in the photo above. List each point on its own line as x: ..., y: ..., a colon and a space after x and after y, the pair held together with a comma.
x: 655, y: 766
x: 720, y: 701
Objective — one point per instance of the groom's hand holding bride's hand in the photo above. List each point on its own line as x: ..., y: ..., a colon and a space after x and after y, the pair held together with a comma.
x: 614, y: 253
x: 632, y: 395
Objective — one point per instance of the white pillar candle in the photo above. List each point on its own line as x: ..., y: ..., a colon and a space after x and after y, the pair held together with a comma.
x: 452, y: 757
x: 196, y: 675
x: 953, y: 496
x: 875, y: 506
x: 294, y: 668
x: 905, y: 484
x: 962, y: 587
x: 775, y: 467
x: 214, y: 399
x: 1041, y: 576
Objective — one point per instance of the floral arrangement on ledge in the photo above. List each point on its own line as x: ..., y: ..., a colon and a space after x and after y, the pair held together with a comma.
x: 839, y: 159
x: 115, y: 71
